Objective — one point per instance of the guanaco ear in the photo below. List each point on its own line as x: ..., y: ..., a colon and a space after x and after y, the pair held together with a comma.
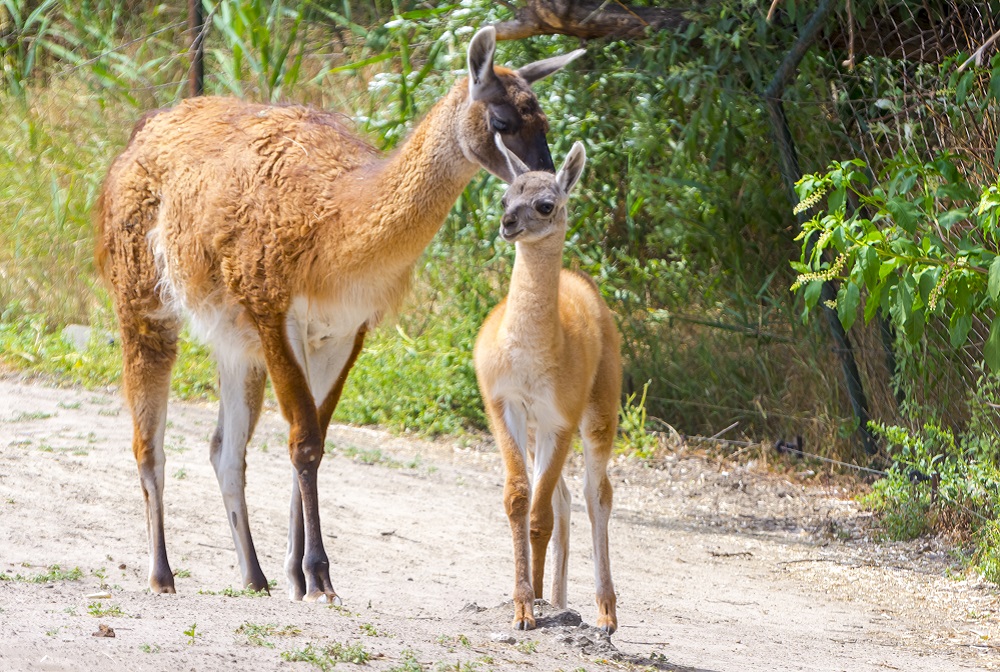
x: 532, y: 72
x: 572, y: 168
x: 482, y: 80
x: 514, y: 164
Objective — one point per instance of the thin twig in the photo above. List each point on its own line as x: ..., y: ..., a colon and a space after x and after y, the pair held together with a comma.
x: 774, y: 8
x: 977, y: 55
x: 718, y: 434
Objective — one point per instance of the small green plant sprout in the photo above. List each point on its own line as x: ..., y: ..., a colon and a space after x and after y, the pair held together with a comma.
x: 53, y: 632
x: 635, y: 439
x: 257, y: 634
x: 191, y: 633
x: 150, y: 648
x: 98, y: 610
x: 407, y: 662
x: 180, y: 474
x: 371, y: 630
x: 182, y: 573
x: 326, y: 658
x: 527, y: 646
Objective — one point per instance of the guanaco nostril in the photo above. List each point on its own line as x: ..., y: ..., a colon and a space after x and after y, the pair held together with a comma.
x: 508, y: 221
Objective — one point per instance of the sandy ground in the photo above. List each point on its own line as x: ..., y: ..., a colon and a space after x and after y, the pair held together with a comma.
x: 718, y: 566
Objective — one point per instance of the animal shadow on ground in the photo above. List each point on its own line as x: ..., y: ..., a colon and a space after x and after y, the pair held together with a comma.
x: 566, y: 627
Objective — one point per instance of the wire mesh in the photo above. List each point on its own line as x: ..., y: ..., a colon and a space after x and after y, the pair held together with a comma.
x: 889, y: 96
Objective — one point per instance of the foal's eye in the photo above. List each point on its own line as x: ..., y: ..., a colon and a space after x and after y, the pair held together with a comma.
x: 545, y: 207
x: 499, y: 125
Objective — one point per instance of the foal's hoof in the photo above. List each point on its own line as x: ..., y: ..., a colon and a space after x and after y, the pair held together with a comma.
x: 607, y: 624
x: 324, y: 598
x: 524, y: 619
x: 527, y: 623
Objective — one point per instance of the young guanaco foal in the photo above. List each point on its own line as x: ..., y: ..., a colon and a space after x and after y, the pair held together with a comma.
x: 282, y: 239
x: 548, y: 363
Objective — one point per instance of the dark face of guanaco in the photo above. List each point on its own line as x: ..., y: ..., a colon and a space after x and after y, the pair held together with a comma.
x: 534, y: 206
x: 502, y: 103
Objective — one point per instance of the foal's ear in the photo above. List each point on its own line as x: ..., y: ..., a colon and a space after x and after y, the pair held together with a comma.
x: 514, y: 164
x: 572, y: 168
x: 482, y: 80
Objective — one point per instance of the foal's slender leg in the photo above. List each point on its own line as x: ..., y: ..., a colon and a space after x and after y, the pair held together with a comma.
x: 551, y: 447
x: 561, y: 501
x: 598, y: 434
x: 241, y: 392
x: 149, y: 349
x: 510, y: 427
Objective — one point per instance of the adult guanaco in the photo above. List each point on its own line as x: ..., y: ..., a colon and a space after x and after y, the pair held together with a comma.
x: 548, y: 363
x: 282, y: 239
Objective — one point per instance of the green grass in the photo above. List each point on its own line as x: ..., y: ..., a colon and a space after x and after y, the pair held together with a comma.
x: 229, y: 591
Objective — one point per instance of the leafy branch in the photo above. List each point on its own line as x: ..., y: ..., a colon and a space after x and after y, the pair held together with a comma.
x: 918, y: 242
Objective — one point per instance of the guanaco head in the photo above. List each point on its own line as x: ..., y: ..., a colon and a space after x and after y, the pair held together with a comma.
x: 534, y: 206
x: 501, y: 102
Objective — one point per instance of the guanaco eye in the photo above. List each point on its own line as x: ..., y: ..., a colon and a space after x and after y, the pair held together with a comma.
x: 499, y: 125
x: 545, y: 207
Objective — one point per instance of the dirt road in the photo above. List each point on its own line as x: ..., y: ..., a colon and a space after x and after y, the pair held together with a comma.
x: 718, y: 567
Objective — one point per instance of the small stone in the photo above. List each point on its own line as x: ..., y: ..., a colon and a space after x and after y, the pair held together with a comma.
x: 470, y: 608
x: 502, y: 638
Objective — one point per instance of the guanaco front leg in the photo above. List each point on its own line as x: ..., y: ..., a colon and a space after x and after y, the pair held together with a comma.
x: 319, y: 363
x: 241, y: 392
x: 148, y: 352
x: 305, y: 447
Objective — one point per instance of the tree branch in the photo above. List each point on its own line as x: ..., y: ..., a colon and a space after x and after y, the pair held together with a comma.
x: 588, y: 19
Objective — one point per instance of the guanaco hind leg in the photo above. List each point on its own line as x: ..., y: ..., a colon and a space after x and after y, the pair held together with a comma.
x: 549, y: 455
x: 598, y: 438
x: 241, y: 392
x: 149, y: 349
x: 561, y: 501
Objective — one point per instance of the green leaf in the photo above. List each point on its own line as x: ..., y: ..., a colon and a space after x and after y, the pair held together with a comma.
x: 962, y: 90
x: 959, y: 328
x: 952, y: 217
x: 991, y: 351
x: 904, y: 213
x: 836, y: 200
x: 994, y: 91
x: 994, y: 282
x: 847, y: 304
x: 812, y: 293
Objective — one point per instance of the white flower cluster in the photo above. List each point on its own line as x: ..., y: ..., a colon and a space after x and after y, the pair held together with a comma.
x: 810, y: 200
x: 825, y: 276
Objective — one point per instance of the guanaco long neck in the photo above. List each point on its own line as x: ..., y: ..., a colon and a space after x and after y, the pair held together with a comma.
x: 401, y: 202
x: 531, y: 315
